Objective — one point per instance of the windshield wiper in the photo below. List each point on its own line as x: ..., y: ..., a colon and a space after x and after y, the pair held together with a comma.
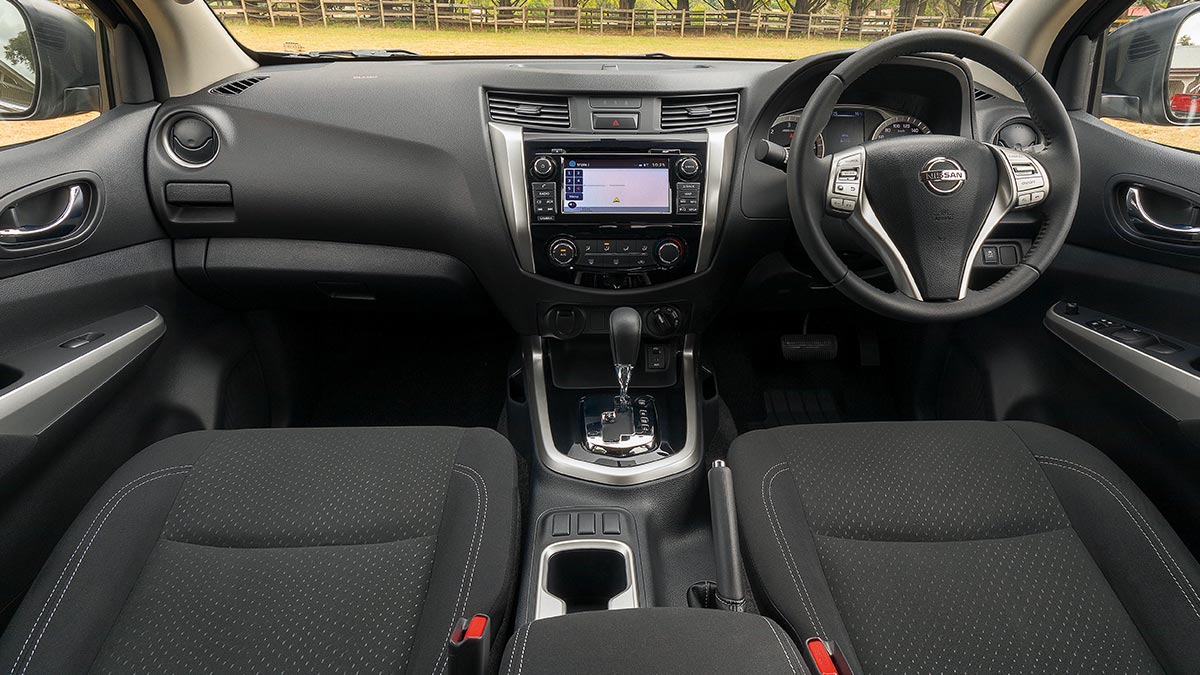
x: 350, y: 54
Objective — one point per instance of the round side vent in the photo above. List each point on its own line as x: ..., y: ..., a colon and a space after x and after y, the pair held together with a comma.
x: 1018, y: 135
x: 191, y: 140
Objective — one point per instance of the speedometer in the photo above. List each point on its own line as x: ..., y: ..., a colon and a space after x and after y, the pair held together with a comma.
x: 784, y: 129
x: 901, y: 125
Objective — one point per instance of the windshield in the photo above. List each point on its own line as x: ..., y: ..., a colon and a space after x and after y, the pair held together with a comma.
x: 748, y: 29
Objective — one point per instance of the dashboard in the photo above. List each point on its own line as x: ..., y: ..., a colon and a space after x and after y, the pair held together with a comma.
x: 552, y: 182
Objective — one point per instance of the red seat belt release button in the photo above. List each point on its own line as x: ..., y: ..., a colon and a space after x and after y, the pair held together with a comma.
x: 471, y: 645
x: 821, y: 657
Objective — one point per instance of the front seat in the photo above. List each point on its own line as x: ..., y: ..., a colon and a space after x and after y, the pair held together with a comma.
x: 936, y: 547
x: 283, y: 550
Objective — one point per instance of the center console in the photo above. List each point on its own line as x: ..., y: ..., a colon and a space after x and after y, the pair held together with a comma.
x: 613, y: 211
x: 603, y: 209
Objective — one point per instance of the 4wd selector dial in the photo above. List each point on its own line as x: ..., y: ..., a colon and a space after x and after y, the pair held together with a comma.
x: 562, y: 252
x: 688, y: 168
x: 543, y: 167
x: 663, y: 321
x: 669, y: 251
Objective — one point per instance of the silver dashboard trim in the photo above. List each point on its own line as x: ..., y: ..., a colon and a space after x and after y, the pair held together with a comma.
x: 548, y: 605
x: 1171, y: 389
x: 683, y: 460
x: 721, y: 148
x: 508, y: 152
x: 50, y: 387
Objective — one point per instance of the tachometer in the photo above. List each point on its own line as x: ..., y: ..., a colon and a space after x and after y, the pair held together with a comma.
x: 784, y: 129
x: 901, y: 125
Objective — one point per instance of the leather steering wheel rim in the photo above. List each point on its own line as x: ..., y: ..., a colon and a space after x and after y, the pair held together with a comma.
x: 809, y: 177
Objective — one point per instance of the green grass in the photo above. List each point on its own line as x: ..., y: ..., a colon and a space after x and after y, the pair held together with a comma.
x: 524, y: 43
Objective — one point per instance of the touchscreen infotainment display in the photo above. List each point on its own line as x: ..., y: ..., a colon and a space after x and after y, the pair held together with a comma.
x: 629, y: 185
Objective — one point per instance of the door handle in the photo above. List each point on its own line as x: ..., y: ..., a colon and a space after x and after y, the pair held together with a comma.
x: 62, y: 225
x: 1139, y: 216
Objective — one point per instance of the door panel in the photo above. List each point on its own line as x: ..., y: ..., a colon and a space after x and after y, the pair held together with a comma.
x: 1112, y: 161
x: 103, y: 351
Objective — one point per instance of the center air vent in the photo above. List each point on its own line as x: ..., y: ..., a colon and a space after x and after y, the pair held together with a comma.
x: 529, y: 110
x: 696, y: 112
x: 237, y: 86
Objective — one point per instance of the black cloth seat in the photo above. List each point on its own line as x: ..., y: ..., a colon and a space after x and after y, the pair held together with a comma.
x: 934, y: 547
x: 287, y: 550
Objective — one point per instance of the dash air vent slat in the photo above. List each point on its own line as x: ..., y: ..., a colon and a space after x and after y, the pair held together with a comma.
x: 529, y: 110
x: 237, y: 86
x: 696, y: 112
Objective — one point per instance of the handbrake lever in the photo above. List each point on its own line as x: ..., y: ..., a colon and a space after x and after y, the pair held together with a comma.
x: 731, y: 594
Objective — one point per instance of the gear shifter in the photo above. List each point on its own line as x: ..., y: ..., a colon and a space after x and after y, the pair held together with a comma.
x: 624, y: 336
x: 621, y: 425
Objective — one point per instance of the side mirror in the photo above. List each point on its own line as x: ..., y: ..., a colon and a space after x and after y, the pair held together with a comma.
x: 1152, y: 69
x: 48, y: 64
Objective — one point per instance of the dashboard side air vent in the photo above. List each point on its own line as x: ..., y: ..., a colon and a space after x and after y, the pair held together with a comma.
x: 699, y: 111
x: 981, y: 95
x: 237, y: 86
x: 529, y: 110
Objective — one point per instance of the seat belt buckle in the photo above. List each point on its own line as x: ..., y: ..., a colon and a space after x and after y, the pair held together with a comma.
x: 471, y: 645
x: 826, y: 658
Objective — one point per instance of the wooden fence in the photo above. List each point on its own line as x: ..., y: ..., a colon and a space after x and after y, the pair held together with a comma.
x: 455, y: 16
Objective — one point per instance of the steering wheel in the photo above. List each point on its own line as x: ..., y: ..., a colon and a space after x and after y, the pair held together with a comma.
x: 926, y: 204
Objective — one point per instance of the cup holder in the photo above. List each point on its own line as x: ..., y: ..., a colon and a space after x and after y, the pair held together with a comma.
x: 584, y: 576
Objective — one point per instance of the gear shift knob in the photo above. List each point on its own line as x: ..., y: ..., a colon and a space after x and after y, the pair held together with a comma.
x: 625, y: 336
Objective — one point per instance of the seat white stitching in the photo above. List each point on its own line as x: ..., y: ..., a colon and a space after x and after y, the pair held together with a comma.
x: 524, y: 644
x: 93, y: 530
x: 1115, y: 493
x: 786, y: 655
x: 473, y: 553
x: 785, y: 548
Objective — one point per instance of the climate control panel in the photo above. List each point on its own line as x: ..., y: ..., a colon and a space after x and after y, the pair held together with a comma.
x: 627, y: 255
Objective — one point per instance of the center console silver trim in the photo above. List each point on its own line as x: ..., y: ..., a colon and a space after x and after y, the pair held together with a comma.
x: 508, y: 154
x: 548, y: 605
x: 722, y: 145
x: 553, y: 459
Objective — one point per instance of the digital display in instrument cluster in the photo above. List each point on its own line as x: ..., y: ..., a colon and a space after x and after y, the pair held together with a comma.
x: 634, y: 185
x: 844, y: 131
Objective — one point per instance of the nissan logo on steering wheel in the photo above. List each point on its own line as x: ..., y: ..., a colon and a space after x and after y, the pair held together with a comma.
x: 943, y: 175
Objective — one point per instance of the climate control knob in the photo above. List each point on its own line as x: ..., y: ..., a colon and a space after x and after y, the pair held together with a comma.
x: 543, y: 167
x: 669, y: 252
x: 562, y: 252
x: 688, y: 168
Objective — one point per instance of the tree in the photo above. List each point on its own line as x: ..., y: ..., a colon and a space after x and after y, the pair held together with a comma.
x: 19, y: 50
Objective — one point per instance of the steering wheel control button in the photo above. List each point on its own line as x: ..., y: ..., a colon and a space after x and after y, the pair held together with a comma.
x: 845, y: 182
x: 1030, y: 180
x: 563, y: 252
x: 943, y: 176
